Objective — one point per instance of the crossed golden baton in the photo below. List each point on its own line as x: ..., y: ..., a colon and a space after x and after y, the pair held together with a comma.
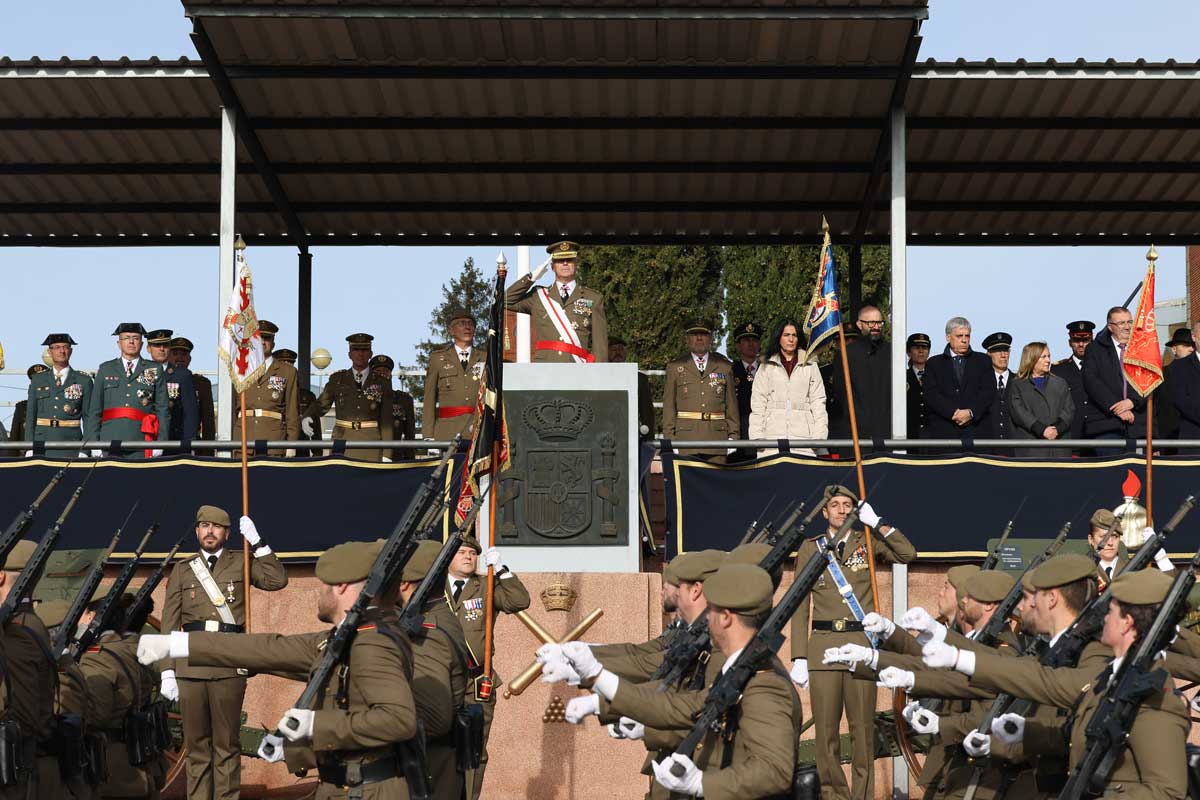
x: 522, y: 681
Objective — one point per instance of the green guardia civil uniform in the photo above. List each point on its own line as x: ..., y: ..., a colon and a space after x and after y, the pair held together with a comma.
x: 128, y: 404
x: 582, y: 312
x: 700, y: 404
x: 451, y: 392
x: 56, y: 405
x: 363, y: 408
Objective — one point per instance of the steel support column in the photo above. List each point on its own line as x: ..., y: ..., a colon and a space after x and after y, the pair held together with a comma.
x: 225, y: 272
x: 304, y: 318
x: 524, y: 341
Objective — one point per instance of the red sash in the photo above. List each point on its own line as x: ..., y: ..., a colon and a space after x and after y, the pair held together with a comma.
x: 149, y: 421
x: 446, y: 412
x: 565, y: 347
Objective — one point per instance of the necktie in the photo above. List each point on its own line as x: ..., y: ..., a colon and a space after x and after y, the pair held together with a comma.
x: 920, y: 375
x: 58, y: 379
x: 1108, y: 571
x: 1124, y: 382
x: 958, y: 369
x: 464, y: 359
x: 128, y: 369
x: 458, y: 587
x: 1102, y: 681
x: 565, y: 294
x: 1000, y: 382
x: 212, y: 562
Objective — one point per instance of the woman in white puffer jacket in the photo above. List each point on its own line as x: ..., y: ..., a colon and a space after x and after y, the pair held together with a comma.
x: 788, y: 401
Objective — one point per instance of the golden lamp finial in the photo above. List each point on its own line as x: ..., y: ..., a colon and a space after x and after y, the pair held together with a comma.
x: 239, y: 243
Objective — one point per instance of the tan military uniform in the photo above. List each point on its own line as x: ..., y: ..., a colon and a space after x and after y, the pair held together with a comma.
x: 404, y: 424
x: 700, y: 405
x: 509, y: 596
x: 451, y: 393
x: 583, y: 311
x: 831, y: 687
x: 211, y: 698
x: 272, y: 406
x: 377, y: 685
x: 364, y: 413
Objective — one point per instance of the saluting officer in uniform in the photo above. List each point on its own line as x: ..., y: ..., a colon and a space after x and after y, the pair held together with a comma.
x: 20, y: 410
x: 207, y: 594
x: 1070, y: 369
x: 367, y: 708
x: 181, y: 391
x: 363, y: 401
x: 466, y: 595
x: 129, y: 396
x: 452, y: 382
x: 181, y: 356
x: 272, y: 402
x: 834, y: 624
x: 404, y: 412
x: 917, y: 346
x: 569, y: 324
x: 57, y: 396
x: 699, y: 399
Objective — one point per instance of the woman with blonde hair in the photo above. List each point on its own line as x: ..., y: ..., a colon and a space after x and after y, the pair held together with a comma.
x: 788, y: 400
x: 1040, y: 403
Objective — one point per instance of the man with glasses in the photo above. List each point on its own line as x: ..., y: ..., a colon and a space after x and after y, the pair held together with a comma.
x: 1115, y: 410
x: 129, y: 396
x: 870, y: 359
x: 57, y: 396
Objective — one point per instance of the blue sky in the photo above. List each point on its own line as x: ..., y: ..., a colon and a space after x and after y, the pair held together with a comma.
x: 1030, y: 292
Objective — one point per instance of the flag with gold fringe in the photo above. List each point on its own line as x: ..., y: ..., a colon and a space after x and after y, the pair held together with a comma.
x: 1143, y: 355
x: 824, y: 315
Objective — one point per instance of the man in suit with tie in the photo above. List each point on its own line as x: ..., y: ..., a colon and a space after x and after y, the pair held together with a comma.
x: 1070, y: 369
x: 466, y: 594
x: 1116, y: 411
x: 207, y: 594
x: 1183, y: 383
x: 918, y: 356
x: 959, y: 387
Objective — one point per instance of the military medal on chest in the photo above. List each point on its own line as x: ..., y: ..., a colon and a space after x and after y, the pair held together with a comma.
x: 229, y: 592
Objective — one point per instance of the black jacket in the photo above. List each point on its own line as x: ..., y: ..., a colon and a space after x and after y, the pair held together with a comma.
x: 870, y: 377
x: 1104, y: 384
x: 745, y: 386
x: 1070, y: 373
x: 917, y: 415
x: 999, y: 424
x: 944, y: 395
x: 1183, y: 391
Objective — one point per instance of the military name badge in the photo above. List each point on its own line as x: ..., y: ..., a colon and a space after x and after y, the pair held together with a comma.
x: 73, y: 392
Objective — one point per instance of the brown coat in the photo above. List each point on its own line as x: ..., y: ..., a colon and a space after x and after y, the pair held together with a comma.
x: 583, y: 310
x: 275, y: 392
x: 509, y: 595
x: 370, y: 403
x: 687, y: 390
x: 447, y: 385
x: 117, y: 683
x: 186, y: 601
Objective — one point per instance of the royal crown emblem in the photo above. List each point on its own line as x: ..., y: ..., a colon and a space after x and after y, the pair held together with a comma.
x: 558, y: 597
x: 558, y: 419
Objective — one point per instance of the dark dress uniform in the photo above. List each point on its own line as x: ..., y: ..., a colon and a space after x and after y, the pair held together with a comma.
x: 128, y: 403
x: 211, y: 698
x: 915, y: 398
x: 1183, y: 391
x: 54, y: 408
x: 404, y: 423
x: 181, y: 399
x: 1072, y: 373
x: 451, y: 392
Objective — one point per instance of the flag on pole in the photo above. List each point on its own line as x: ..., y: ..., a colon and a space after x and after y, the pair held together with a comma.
x: 824, y: 315
x: 489, y: 428
x: 241, y: 344
x: 1143, y: 355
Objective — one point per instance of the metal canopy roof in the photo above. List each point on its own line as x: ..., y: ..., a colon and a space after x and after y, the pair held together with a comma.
x: 391, y: 123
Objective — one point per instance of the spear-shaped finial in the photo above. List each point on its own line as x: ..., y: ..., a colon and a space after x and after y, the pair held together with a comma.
x: 239, y: 243
x: 501, y: 261
x: 824, y: 225
x: 1152, y: 255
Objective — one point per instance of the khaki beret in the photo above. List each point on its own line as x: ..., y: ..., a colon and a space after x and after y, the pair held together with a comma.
x: 473, y: 543
x: 700, y: 565
x: 669, y: 573
x: 752, y: 553
x: 217, y: 516
x: 1142, y: 588
x: 53, y: 612
x: 958, y: 575
x: 836, y: 489
x: 743, y: 588
x: 422, y: 560
x: 1027, y: 582
x: 19, y: 556
x: 349, y: 562
x: 1103, y: 519
x: 1063, y: 569
x: 989, y: 586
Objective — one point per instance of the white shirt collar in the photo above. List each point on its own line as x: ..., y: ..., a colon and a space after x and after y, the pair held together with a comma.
x: 1056, y: 636
x: 218, y: 554
x: 1116, y: 664
x: 267, y: 363
x: 61, y: 374
x: 359, y: 375
x: 729, y: 661
x: 1105, y: 564
x: 569, y: 286
x: 1078, y: 361
x: 450, y: 579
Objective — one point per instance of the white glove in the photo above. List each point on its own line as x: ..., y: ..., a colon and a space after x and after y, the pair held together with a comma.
x: 153, y: 647
x: 249, y: 532
x: 939, y: 655
x: 559, y: 672
x: 385, y: 459
x: 925, y: 721
x: 910, y: 708
x: 551, y: 651
x: 491, y: 557
x: 276, y: 753
x: 582, y: 707
x: 692, y: 782
x: 29, y: 454
x: 867, y: 515
x: 306, y: 425
x: 799, y: 672
x: 289, y: 453
x: 1161, y: 559
x: 928, y: 629
x: 83, y: 453
x: 630, y: 728
x: 302, y: 719
x: 169, y: 688
x: 155, y: 453
x: 97, y: 454
x: 1009, y: 728
x: 540, y: 270
x: 851, y: 654
x: 581, y: 658
x: 878, y: 624
x: 977, y: 744
x: 896, y: 678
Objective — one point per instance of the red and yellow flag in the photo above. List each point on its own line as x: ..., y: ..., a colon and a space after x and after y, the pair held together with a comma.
x: 1143, y: 356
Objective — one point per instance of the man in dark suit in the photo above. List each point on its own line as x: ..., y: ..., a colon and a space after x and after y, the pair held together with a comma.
x: 1116, y: 410
x: 870, y: 359
x: 999, y: 347
x: 1183, y: 383
x: 918, y: 356
x: 1079, y: 336
x: 959, y: 387
x: 747, y: 339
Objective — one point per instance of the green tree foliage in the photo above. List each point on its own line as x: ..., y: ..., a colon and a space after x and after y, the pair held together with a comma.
x: 469, y: 290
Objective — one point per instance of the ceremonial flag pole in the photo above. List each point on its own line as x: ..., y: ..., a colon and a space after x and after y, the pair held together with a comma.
x: 824, y: 318
x: 488, y: 457
x: 242, y: 351
x: 1143, y: 366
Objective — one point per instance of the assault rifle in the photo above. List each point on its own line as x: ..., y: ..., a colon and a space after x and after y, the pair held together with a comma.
x: 105, y: 615
x: 32, y: 573
x: 142, y: 599
x: 84, y: 596
x: 382, y: 573
x: 23, y: 521
x: 753, y: 531
x: 993, y: 558
x: 728, y: 688
x: 1108, y: 730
